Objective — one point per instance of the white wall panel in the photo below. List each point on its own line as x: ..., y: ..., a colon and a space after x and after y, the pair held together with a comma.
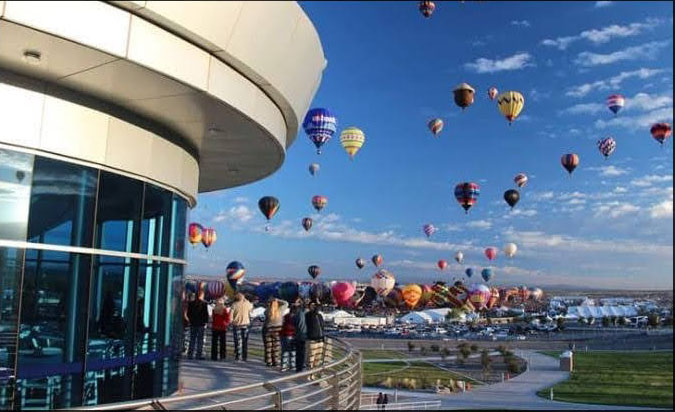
x: 20, y: 114
x: 129, y: 147
x: 167, y: 163
x: 92, y: 23
x: 160, y: 50
x: 73, y: 130
x: 228, y: 85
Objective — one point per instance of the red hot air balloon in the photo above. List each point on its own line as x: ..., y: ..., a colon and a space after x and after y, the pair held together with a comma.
x: 442, y: 264
x: 661, y: 132
x: 194, y: 233
x: 491, y: 253
x: 467, y: 194
x: 427, y: 8
x: 319, y: 202
x: 342, y: 292
x: 570, y: 162
x: 208, y: 237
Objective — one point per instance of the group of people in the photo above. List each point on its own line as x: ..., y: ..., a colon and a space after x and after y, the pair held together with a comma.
x: 292, y: 341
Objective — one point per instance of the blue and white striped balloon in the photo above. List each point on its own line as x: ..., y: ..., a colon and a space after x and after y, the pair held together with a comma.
x: 320, y: 125
x: 429, y: 229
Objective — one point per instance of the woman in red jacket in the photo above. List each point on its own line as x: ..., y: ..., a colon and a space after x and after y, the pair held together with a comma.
x: 288, y: 341
x: 220, y: 322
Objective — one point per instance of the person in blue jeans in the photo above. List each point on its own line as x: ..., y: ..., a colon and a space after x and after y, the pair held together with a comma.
x: 241, y: 319
x: 198, y: 317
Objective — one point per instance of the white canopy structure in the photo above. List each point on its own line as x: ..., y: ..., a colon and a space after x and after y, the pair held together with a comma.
x: 602, y: 311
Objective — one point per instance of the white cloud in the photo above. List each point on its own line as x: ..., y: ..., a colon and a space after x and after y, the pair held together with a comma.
x: 236, y: 214
x: 241, y: 199
x: 649, y: 180
x: 643, y: 51
x: 600, y: 4
x: 520, y: 23
x: 662, y: 210
x: 639, y: 122
x: 585, y: 108
x: 542, y: 196
x: 603, y: 35
x: 479, y: 224
x: 516, y: 62
x: 612, y: 83
x: 576, y: 201
x: 609, y: 171
x: 646, y: 102
x: 522, y: 212
x: 614, y: 209
x: 620, y: 189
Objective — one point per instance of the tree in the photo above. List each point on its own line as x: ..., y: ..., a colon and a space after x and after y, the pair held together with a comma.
x: 411, y: 346
x: 622, y: 321
x: 423, y: 350
x: 464, y: 351
x: 560, y: 322
x: 485, y: 361
x: 454, y: 313
x: 474, y: 348
x: 606, y: 322
x: 653, y: 320
x: 445, y: 352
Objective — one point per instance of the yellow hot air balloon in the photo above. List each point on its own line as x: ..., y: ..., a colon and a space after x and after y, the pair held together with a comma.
x: 411, y: 294
x: 352, y: 139
x: 510, y: 104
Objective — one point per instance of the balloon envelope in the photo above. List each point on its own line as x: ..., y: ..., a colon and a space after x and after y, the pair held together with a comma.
x: 467, y: 194
x: 377, y: 260
x: 491, y: 253
x: 288, y: 291
x: 268, y: 205
x: 382, y: 281
x: 486, y: 274
x: 463, y: 95
x: 352, y: 140
x: 342, y: 292
x: 235, y: 272
x: 512, y: 196
x: 435, y: 125
x: 510, y: 104
x: 479, y: 295
x: 510, y: 249
x: 320, y: 125
x: 427, y: 8
x: 459, y: 257
x: 661, y: 131
x: 520, y: 179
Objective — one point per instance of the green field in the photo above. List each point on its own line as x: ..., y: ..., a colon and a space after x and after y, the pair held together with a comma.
x: 618, y: 378
x: 409, y: 375
x: 381, y: 354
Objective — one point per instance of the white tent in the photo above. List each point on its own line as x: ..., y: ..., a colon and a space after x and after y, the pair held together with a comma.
x: 416, y: 318
x: 330, y: 317
x: 437, y: 315
x: 602, y: 311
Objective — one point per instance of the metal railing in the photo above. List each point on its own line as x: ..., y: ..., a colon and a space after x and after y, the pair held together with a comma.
x: 408, y: 406
x: 336, y: 385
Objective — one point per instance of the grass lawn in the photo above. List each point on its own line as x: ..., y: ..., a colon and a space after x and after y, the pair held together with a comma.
x: 415, y: 375
x: 618, y: 378
x: 381, y: 354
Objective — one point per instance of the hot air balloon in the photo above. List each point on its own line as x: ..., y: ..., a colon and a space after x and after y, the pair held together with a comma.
x: 377, y: 260
x: 469, y: 272
x: 439, y: 297
x: 393, y: 299
x: 479, y: 295
x: 491, y: 253
x: 268, y: 205
x: 305, y: 290
x: 320, y: 125
x: 215, y: 289
x: 360, y: 263
x: 321, y: 293
x: 494, y: 297
x: 512, y: 196
x: 615, y: 103
x: 429, y: 229
x: 459, y: 257
x: 314, y: 169
x: 235, y: 272
x: 427, y: 293
x: 435, y: 125
x: 464, y: 95
x: 307, y: 223
x: 288, y: 291
x: 570, y: 162
x: 492, y: 93
x: 314, y: 271
x: 319, y: 202
x: 510, y: 104
x: 520, y: 179
x: 486, y: 274
x: 606, y: 146
x: 442, y: 264
x: 411, y: 295
x: 382, y: 281
x: 191, y: 286
x: 369, y: 295
x: 510, y: 250
x: 467, y: 194
x: 427, y: 8
x: 342, y: 293
x: 208, y: 237
x: 20, y: 175
x: 661, y: 131
x: 524, y: 293
x: 352, y: 139
x: 536, y: 294
x: 195, y: 233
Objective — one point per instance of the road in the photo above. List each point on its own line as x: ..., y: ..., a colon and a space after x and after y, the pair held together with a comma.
x: 517, y: 393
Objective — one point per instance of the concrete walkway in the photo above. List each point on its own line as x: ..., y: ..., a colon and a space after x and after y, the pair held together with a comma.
x: 517, y: 393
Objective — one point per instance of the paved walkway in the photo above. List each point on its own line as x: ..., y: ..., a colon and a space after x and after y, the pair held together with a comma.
x: 517, y: 393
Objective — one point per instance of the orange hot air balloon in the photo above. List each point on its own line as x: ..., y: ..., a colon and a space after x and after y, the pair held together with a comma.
x: 208, y: 237
x: 194, y: 233
x: 494, y: 297
x: 411, y: 295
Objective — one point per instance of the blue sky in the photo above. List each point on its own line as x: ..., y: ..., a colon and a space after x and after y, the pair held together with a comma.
x: 390, y: 70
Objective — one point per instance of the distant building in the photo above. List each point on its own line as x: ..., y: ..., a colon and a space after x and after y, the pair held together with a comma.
x: 562, y: 302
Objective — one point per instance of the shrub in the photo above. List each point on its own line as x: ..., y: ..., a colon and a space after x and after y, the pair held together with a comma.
x: 606, y: 322
x: 445, y: 352
x: 435, y: 348
x: 411, y: 346
x: 512, y: 366
x: 474, y: 348
x: 653, y: 320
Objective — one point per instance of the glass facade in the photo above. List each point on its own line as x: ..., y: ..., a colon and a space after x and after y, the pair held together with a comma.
x: 95, y: 325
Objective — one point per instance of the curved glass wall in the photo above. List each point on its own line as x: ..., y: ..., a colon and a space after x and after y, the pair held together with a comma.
x: 90, y: 278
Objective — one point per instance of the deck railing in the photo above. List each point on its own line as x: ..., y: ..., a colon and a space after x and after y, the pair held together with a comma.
x: 336, y: 385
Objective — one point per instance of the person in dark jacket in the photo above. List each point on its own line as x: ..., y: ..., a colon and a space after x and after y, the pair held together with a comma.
x: 300, y: 336
x: 288, y: 340
x: 380, y: 398
x: 315, y: 336
x: 198, y: 316
x: 385, y: 401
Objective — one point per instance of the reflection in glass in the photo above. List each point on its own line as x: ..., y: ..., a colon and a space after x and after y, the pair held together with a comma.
x: 16, y: 171
x: 119, y: 213
x: 62, y: 203
x: 178, y: 227
x: 11, y: 262
x: 156, y: 225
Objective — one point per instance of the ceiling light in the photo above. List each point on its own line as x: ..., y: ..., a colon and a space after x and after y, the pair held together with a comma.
x: 32, y: 57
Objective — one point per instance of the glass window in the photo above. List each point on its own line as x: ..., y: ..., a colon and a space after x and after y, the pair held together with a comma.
x: 11, y: 264
x: 49, y: 392
x: 156, y: 225
x: 178, y: 227
x: 15, y: 178
x: 119, y: 213
x: 149, y: 313
x: 62, y: 203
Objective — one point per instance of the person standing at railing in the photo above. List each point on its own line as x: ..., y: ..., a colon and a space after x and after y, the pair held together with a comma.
x: 315, y: 335
x: 288, y: 340
x: 272, y: 329
x: 378, y: 402
x: 198, y: 316
x: 385, y: 401
x: 241, y: 319
x: 300, y: 336
x: 219, y: 322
